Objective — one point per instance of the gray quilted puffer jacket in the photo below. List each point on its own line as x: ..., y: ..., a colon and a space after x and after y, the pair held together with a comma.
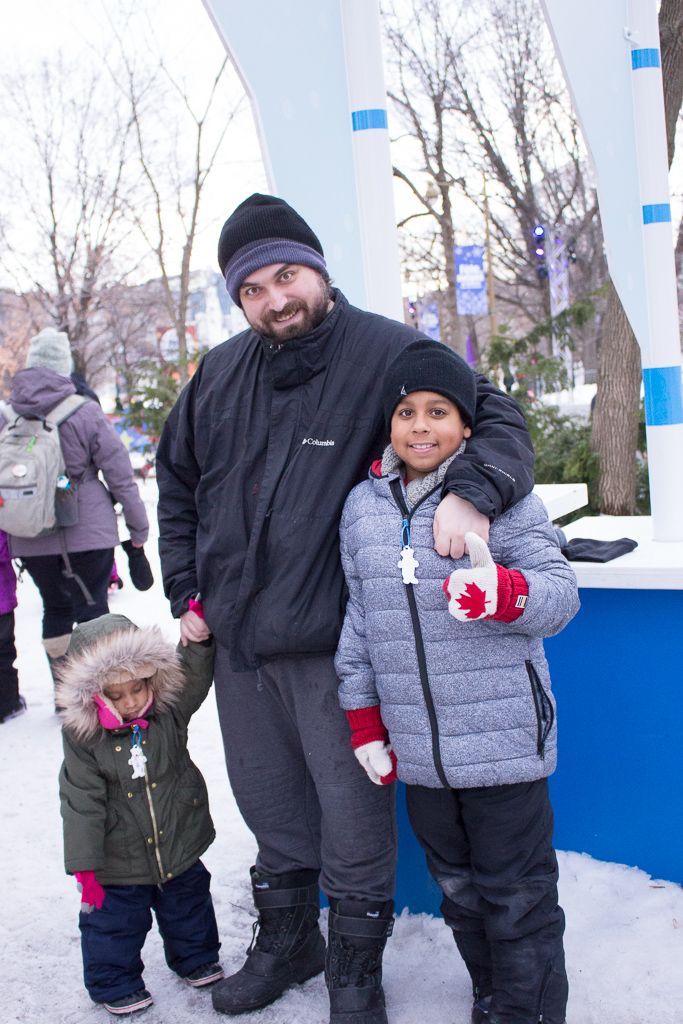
x: 466, y: 703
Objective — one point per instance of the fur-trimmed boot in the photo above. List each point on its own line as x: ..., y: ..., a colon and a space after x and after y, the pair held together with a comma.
x: 288, y: 949
x: 358, y: 933
x: 56, y: 648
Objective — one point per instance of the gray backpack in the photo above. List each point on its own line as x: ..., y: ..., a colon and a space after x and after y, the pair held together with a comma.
x: 36, y: 496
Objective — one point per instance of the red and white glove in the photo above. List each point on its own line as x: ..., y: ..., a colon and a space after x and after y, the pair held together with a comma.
x: 370, y: 742
x: 486, y: 590
x: 92, y: 893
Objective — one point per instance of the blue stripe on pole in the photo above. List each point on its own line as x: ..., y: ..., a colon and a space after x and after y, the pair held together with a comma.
x: 363, y: 119
x: 656, y: 213
x: 663, y: 396
x: 644, y: 59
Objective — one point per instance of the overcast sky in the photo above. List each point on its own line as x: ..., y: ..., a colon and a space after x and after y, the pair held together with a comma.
x: 182, y: 31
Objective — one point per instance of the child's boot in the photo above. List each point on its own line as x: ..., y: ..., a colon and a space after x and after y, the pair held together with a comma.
x: 207, y: 974
x: 133, y: 1003
x: 288, y: 949
x: 358, y: 933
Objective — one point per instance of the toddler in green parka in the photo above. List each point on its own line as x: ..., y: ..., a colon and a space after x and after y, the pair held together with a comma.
x: 135, y: 807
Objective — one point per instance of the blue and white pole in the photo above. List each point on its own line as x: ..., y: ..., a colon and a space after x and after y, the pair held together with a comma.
x: 662, y: 358
x: 372, y: 157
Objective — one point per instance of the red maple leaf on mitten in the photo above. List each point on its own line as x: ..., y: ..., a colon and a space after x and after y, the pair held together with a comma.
x: 485, y: 590
x: 472, y: 601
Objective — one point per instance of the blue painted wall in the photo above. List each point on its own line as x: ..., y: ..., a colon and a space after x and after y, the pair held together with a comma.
x: 617, y: 673
x: 618, y: 678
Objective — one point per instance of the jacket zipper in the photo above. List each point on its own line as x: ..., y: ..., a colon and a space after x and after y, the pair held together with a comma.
x: 395, y: 486
x: 154, y: 826
x: 545, y: 713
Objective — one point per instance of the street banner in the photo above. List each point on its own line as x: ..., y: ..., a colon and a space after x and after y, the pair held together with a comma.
x: 470, y: 280
x: 428, y: 319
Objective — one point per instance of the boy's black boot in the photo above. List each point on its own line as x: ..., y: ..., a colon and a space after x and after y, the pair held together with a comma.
x: 358, y: 933
x: 288, y: 949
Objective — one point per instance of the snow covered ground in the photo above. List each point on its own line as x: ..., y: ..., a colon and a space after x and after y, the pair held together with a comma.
x: 624, y: 930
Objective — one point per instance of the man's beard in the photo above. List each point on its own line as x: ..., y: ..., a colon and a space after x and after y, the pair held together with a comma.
x: 314, y: 312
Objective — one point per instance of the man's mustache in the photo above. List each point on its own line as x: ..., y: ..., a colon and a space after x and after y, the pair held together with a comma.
x: 273, y: 316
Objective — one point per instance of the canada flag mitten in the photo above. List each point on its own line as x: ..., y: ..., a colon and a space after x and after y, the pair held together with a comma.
x: 370, y: 742
x: 92, y: 893
x: 486, y: 590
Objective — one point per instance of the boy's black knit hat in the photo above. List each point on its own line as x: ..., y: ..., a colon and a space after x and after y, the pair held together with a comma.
x: 426, y: 365
x: 264, y: 230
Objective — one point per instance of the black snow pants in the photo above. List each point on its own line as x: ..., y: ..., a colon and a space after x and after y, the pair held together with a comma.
x: 9, y: 678
x: 490, y: 851
x: 63, y: 600
x: 297, y: 782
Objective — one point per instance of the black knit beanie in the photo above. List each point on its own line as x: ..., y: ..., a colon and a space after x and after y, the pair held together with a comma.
x: 430, y: 366
x: 264, y: 230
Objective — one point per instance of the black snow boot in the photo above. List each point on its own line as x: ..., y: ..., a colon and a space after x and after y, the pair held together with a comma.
x: 288, y: 949
x: 358, y: 933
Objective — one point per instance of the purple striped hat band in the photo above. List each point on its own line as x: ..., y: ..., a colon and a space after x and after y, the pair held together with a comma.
x: 264, y: 253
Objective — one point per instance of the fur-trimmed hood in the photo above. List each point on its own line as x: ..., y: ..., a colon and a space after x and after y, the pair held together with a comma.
x: 99, y: 652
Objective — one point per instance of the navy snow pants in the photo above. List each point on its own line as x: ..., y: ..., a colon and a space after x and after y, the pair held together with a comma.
x: 63, y: 600
x: 490, y: 849
x: 113, y: 936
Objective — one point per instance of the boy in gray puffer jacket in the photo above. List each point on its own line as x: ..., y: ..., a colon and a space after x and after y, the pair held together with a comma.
x: 452, y: 689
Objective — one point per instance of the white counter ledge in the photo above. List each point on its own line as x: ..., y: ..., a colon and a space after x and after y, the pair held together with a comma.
x: 654, y: 565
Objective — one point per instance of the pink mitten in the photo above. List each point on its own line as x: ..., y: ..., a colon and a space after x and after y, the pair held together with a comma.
x: 486, y: 590
x: 92, y: 893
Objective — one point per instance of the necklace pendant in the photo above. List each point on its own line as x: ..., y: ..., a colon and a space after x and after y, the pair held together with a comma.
x: 137, y: 761
x: 408, y: 563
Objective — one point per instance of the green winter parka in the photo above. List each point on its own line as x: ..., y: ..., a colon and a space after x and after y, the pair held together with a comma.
x: 141, y: 831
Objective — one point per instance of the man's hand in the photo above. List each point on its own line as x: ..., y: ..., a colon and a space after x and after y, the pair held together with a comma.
x: 453, y: 519
x: 192, y: 627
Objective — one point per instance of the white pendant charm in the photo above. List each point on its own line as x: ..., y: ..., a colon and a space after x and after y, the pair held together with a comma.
x: 408, y: 563
x: 137, y: 761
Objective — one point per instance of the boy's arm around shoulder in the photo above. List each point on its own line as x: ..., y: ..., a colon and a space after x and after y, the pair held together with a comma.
x: 528, y: 544
x: 352, y: 661
x: 83, y: 797
x: 197, y: 661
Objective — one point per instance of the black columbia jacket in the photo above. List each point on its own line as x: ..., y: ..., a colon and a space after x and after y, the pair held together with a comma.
x: 255, y: 463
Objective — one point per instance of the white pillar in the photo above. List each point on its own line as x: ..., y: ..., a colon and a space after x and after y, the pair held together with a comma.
x: 372, y: 157
x: 662, y: 364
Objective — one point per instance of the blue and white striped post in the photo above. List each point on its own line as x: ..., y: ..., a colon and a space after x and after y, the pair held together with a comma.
x: 372, y: 157
x: 662, y: 357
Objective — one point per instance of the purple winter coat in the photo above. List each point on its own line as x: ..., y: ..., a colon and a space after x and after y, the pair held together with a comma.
x: 8, y: 581
x: 89, y: 444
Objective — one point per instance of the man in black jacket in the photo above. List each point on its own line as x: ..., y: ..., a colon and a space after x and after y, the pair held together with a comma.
x: 254, y: 465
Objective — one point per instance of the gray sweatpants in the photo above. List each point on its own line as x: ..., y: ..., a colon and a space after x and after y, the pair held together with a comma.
x: 297, y: 782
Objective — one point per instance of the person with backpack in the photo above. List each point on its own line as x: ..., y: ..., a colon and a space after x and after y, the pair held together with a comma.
x: 57, y: 512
